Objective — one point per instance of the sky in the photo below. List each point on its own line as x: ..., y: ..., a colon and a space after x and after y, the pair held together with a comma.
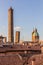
x: 28, y: 14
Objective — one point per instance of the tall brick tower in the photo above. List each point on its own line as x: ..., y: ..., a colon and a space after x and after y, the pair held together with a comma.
x: 17, y: 37
x: 10, y: 25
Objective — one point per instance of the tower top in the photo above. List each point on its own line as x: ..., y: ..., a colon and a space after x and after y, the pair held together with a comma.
x: 10, y: 8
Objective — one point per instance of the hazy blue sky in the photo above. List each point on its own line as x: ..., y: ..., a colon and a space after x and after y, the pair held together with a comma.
x: 27, y: 14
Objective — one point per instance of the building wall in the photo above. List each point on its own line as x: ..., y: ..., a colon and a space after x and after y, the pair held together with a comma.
x: 5, y: 40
